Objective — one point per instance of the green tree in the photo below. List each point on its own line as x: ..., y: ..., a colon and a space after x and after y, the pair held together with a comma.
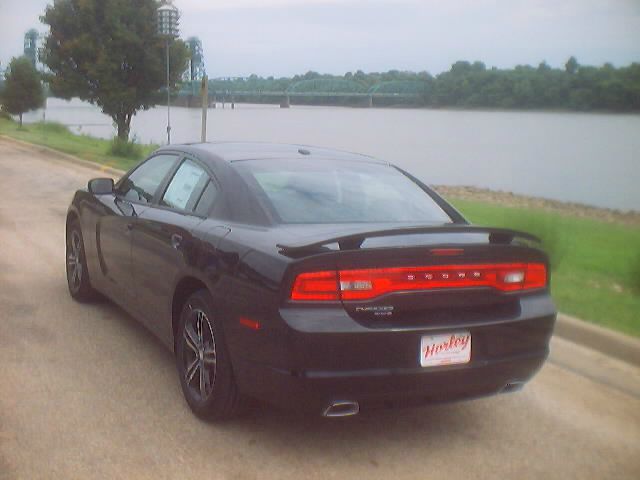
x: 467, y: 85
x: 543, y: 67
x: 107, y: 52
x: 571, y: 66
x: 22, y: 88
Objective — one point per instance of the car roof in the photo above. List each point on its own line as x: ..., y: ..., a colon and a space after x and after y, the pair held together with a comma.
x: 238, y: 151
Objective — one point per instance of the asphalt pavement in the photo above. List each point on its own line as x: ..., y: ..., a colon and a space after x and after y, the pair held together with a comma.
x: 86, y: 392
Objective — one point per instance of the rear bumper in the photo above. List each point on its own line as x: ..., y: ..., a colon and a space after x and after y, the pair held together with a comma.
x: 313, y: 390
x: 324, y: 355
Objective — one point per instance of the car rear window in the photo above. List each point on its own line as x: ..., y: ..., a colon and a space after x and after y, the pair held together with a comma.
x: 332, y: 191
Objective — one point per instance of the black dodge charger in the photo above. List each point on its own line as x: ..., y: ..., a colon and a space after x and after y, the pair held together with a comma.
x: 314, y: 279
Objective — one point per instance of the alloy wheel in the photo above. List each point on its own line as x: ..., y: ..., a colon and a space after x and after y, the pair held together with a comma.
x: 199, y: 359
x: 74, y: 261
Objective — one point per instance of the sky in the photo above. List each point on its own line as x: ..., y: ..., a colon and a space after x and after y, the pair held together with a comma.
x: 286, y: 37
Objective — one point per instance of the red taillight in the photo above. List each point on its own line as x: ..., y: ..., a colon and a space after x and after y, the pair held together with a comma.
x: 366, y: 284
x: 316, y: 286
x: 536, y: 276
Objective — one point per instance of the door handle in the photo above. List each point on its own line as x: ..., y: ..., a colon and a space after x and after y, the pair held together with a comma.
x: 176, y: 241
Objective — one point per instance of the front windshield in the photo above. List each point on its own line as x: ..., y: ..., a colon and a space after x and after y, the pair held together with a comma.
x: 331, y: 191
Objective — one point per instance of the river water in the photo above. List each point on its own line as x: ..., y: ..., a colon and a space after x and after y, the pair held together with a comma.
x: 592, y: 159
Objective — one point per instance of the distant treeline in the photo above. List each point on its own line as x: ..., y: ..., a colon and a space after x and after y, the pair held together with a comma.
x: 465, y: 85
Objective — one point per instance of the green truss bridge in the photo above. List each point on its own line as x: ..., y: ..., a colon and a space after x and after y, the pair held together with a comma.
x: 306, y: 92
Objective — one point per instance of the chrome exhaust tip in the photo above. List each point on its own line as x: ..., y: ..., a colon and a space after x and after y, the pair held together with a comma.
x: 341, y: 408
x: 514, y: 386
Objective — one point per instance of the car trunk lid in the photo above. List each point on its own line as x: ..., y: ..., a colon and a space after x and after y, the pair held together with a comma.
x: 420, y: 275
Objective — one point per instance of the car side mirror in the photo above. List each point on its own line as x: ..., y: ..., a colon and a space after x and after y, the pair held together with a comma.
x: 101, y: 186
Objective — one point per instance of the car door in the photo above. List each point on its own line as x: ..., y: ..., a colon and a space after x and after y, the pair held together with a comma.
x: 131, y: 198
x: 163, y: 242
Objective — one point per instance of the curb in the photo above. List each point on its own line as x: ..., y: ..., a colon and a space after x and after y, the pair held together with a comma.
x: 609, y: 342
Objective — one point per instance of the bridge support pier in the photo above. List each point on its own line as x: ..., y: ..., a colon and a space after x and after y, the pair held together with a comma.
x: 370, y: 101
x: 286, y: 103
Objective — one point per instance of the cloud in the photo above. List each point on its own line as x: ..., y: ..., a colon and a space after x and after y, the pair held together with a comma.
x: 283, y: 37
x: 208, y: 6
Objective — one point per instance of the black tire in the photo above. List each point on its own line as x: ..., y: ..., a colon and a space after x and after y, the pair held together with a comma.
x: 76, y: 266
x: 203, y: 362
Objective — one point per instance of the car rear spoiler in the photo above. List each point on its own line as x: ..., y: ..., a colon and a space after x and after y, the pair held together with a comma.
x: 354, y: 241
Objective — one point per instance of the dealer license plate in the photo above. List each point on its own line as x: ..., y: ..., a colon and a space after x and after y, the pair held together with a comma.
x: 445, y: 349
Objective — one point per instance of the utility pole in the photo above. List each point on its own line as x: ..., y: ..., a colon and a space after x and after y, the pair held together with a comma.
x: 168, y: 98
x: 205, y: 106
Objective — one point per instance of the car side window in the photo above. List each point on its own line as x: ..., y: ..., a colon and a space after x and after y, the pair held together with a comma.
x: 207, y: 198
x: 185, y: 187
x: 144, y: 181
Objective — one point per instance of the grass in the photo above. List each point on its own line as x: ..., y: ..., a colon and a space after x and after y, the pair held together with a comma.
x: 595, y: 265
x: 111, y: 153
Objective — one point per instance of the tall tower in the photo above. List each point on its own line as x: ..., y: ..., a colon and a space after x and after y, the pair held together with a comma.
x: 31, y: 46
x: 196, y: 68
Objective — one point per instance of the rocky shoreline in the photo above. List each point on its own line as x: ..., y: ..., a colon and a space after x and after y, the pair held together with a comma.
x: 631, y: 218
